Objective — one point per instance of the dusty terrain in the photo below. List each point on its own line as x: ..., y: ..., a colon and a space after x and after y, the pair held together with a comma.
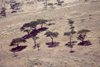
x: 59, y: 56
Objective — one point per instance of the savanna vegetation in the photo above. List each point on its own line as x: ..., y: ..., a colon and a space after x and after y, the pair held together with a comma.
x: 32, y: 31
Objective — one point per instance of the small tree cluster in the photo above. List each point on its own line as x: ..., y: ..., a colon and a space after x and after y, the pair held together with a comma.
x: 70, y: 34
x: 81, y: 34
x: 29, y: 27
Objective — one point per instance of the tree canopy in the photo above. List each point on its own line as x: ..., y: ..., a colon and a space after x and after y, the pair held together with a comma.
x: 16, y: 41
x: 28, y: 27
x: 83, y: 31
x: 52, y: 34
x: 82, y: 34
x: 42, y: 21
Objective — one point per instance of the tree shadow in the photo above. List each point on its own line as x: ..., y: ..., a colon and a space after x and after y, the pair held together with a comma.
x: 51, y: 24
x: 15, y: 55
x: 34, y: 32
x: 54, y: 44
x: 67, y: 44
x: 26, y: 36
x: 72, y: 51
x: 17, y: 49
x: 42, y: 29
x: 36, y: 46
x: 13, y: 11
x: 17, y: 9
x: 85, y: 43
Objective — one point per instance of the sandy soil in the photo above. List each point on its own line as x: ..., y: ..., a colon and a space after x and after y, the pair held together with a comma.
x: 59, y: 56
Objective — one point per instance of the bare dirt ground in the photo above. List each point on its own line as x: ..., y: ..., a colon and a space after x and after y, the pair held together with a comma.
x: 59, y: 56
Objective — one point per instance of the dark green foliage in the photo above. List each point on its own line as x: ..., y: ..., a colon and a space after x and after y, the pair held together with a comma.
x: 82, y: 34
x: 33, y: 24
x: 51, y: 35
x: 83, y: 31
x: 67, y: 33
x: 16, y: 41
x: 51, y: 4
x: 70, y: 34
x: 42, y: 21
x: 28, y: 27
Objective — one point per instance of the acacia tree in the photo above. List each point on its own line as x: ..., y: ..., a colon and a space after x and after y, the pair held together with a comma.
x: 41, y: 22
x: 28, y: 27
x: 70, y: 34
x: 35, y: 38
x: 16, y: 41
x: 51, y: 35
x: 33, y: 25
x: 82, y: 34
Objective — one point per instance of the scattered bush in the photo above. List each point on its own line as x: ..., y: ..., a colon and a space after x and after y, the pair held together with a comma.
x: 82, y: 34
x: 41, y: 22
